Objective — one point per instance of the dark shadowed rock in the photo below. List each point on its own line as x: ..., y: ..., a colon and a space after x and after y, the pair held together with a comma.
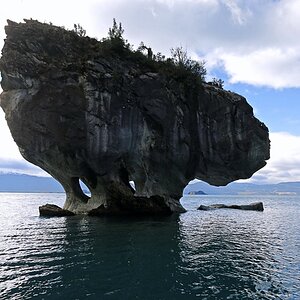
x: 80, y: 112
x: 258, y: 206
x: 154, y: 205
x: 52, y: 210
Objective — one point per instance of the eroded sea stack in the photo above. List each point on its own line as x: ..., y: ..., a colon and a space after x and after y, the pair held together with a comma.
x: 79, y: 112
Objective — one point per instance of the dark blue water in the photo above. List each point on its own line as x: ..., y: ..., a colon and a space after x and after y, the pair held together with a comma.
x: 222, y: 254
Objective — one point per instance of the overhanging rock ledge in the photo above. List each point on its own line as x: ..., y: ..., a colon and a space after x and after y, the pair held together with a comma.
x: 80, y: 113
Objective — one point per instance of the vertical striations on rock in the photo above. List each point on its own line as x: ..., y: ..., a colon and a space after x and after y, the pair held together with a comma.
x: 80, y: 112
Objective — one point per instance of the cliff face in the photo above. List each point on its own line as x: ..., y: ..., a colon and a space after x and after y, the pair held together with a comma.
x: 80, y: 114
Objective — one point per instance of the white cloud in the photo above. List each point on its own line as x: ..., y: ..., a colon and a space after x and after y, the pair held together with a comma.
x: 8, y: 149
x: 10, y: 158
x: 239, y: 16
x: 269, y: 67
x: 62, y: 13
x: 284, y: 164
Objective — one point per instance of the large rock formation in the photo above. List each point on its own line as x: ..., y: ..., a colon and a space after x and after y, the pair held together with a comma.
x: 79, y: 112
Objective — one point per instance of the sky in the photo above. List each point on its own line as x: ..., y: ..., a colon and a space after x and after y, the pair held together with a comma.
x: 253, y: 46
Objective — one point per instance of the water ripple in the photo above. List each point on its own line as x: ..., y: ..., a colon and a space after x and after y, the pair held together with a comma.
x: 224, y: 254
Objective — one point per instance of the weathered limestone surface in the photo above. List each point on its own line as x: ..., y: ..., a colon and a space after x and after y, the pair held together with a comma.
x: 80, y: 114
x: 258, y: 206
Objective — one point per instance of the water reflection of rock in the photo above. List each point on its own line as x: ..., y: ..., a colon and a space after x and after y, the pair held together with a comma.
x: 122, y: 257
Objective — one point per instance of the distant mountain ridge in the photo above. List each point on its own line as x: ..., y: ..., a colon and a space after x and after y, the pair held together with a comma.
x: 283, y: 188
x: 21, y: 183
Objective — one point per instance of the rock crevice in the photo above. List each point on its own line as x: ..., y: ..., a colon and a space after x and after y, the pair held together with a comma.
x: 80, y: 113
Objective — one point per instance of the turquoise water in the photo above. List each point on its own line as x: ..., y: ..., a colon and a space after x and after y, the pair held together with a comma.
x: 222, y: 254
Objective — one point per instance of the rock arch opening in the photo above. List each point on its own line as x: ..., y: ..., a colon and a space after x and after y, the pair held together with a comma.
x: 132, y: 184
x: 125, y: 178
x: 85, y: 189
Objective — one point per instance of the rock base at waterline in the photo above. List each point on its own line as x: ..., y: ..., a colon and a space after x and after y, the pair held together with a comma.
x: 138, y: 206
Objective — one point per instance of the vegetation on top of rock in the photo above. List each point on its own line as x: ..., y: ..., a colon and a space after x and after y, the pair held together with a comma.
x: 115, y: 41
x: 179, y: 65
x: 219, y: 83
x: 183, y: 61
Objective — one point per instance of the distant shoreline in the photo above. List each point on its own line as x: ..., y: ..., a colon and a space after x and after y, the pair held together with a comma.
x: 21, y: 183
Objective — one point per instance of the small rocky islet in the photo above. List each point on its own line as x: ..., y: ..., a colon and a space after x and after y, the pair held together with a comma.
x: 256, y: 206
x: 83, y: 109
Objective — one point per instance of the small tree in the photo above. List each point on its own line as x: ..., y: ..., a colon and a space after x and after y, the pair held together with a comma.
x: 179, y: 56
x: 115, y: 40
x: 159, y: 57
x: 78, y: 29
x: 116, y: 31
x: 182, y: 60
x: 198, y: 68
x: 218, y: 83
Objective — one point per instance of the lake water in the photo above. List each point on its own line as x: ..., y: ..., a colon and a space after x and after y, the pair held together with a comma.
x: 221, y: 254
